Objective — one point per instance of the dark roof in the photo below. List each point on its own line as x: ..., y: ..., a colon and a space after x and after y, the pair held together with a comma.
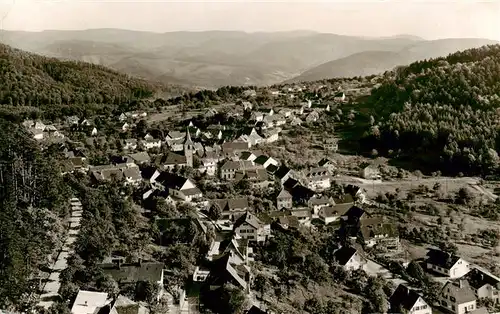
x: 289, y: 184
x: 324, y: 161
x: 282, y: 172
x: 344, y: 199
x: 148, y: 172
x: 255, y: 310
x: 271, y: 168
x: 478, y: 279
x: 344, y: 254
x: 223, y: 272
x: 462, y: 294
x: 232, y: 204
x: 171, y: 180
x: 249, y: 219
x: 245, y: 155
x: 354, y: 213
x: 403, y: 297
x: 442, y: 259
x: 301, y: 193
x: 261, y: 159
x: 145, y: 271
x: 332, y: 211
x: 172, y: 158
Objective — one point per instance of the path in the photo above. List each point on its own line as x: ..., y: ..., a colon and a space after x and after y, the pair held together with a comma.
x: 50, y: 290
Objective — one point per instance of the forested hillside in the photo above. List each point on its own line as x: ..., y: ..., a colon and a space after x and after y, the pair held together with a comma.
x: 32, y: 80
x: 32, y: 199
x: 441, y: 113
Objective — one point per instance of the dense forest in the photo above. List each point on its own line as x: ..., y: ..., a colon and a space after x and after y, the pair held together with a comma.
x: 441, y: 113
x: 32, y: 199
x: 47, y: 83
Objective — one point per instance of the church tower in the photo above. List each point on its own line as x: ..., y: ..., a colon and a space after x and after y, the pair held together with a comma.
x: 188, y: 149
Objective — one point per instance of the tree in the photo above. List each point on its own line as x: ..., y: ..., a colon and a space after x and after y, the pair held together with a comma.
x: 215, y: 212
x: 261, y: 284
x: 465, y: 196
x: 414, y: 270
x: 237, y: 301
x: 142, y: 128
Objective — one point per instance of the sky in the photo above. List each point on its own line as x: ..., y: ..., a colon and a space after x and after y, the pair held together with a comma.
x: 427, y: 19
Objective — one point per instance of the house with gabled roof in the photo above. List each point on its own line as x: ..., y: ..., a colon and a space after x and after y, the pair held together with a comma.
x: 171, y: 160
x: 458, y: 297
x: 377, y: 231
x: 447, y: 264
x: 123, y: 305
x: 130, y: 144
x: 249, y: 227
x: 223, y: 271
x: 139, y: 158
x: 328, y: 164
x: 318, y: 179
x: 232, y: 208
x: 284, y: 200
x: 179, y: 187
x: 283, y: 173
x: 405, y: 301
x: 131, y: 273
x: 89, y: 302
x: 332, y: 213
x: 349, y: 258
x: 230, y: 168
x: 316, y: 203
x: 250, y: 136
x: 265, y: 161
x: 484, y: 284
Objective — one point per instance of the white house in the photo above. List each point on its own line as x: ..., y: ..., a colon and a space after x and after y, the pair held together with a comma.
x: 87, y: 302
x: 484, y: 284
x: 249, y: 227
x: 458, y: 297
x: 151, y: 143
x: 405, y: 301
x: 349, y: 258
x: 447, y: 264
x: 130, y: 144
x: 179, y: 187
x: 318, y: 179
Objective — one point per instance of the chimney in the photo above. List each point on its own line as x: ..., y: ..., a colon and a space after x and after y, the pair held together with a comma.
x: 119, y: 262
x: 85, y: 303
x: 139, y: 261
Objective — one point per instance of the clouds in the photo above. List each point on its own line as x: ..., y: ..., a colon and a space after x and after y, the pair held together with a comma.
x: 363, y: 18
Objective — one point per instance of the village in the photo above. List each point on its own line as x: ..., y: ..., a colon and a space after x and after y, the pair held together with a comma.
x: 223, y: 168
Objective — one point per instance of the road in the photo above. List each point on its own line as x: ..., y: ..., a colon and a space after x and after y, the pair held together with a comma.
x: 50, y: 290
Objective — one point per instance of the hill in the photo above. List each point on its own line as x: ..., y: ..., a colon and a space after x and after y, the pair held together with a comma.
x: 374, y: 62
x: 441, y: 114
x: 36, y: 81
x: 205, y: 59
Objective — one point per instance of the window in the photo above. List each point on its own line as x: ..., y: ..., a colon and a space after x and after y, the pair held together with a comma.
x: 416, y: 308
x: 423, y: 307
x: 443, y: 302
x: 453, y: 307
x: 452, y: 299
x: 471, y: 307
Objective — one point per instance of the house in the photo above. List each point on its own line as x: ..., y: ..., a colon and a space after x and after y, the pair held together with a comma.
x: 172, y: 160
x: 258, y: 177
x: 267, y: 111
x: 376, y: 231
x: 283, y: 174
x: 150, y: 143
x: 179, y: 187
x: 300, y: 194
x: 232, y: 208
x: 78, y: 164
x: 458, y: 297
x: 247, y: 156
x: 484, y: 284
x: 130, y: 144
x: 247, y: 105
x: 224, y: 271
x: 89, y: 302
x: 288, y: 221
x: 230, y: 168
x: 131, y: 273
x: 340, y: 97
x: 265, y: 161
x: 331, y: 145
x: 330, y: 165
x: 72, y: 120
x: 123, y: 305
x: 125, y: 127
x: 271, y: 135
x: 296, y: 121
x: 93, y: 132
x: 249, y: 227
x: 316, y: 203
x: 329, y: 214
x: 140, y: 158
x: 447, y: 264
x: 405, y: 301
x: 349, y: 258
x: 251, y: 137
x: 122, y: 117
x: 370, y: 172
x: 257, y: 116
x: 318, y: 179
x: 37, y: 133
x: 312, y: 117
x: 132, y: 175
x: 231, y: 148
x: 284, y: 200
x: 208, y: 164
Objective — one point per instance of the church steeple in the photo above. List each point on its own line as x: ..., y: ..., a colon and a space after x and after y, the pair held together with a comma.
x: 188, y: 149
